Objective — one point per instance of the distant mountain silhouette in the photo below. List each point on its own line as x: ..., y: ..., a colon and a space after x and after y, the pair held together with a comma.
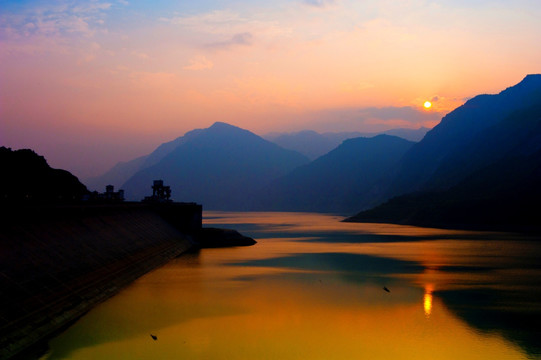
x: 415, y: 135
x: 314, y: 145
x: 309, y: 143
x: 121, y: 172
x: 117, y: 175
x: 338, y: 181
x: 219, y: 167
x: 482, y: 167
x: 27, y: 178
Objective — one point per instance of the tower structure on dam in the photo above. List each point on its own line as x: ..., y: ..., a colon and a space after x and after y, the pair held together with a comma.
x: 160, y: 193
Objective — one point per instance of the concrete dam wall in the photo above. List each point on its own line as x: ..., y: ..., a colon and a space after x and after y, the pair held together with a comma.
x: 56, y: 262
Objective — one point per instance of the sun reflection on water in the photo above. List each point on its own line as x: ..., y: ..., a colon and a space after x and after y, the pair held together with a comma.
x: 427, y: 299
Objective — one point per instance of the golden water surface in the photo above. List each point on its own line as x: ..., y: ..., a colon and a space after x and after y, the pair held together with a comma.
x: 316, y: 288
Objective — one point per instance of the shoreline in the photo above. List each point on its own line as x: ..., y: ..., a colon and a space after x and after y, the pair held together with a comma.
x: 58, y: 262
x: 36, y: 345
x: 519, y: 229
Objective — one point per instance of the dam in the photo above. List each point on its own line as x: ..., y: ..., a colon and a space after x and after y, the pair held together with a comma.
x: 58, y: 261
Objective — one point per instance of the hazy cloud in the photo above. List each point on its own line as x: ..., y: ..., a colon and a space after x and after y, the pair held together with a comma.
x: 219, y: 22
x: 91, y: 7
x: 320, y: 3
x: 407, y: 113
x: 153, y: 79
x: 140, y: 55
x: 199, y: 63
x: 211, y: 22
x: 58, y: 18
x: 373, y: 118
x: 242, y: 39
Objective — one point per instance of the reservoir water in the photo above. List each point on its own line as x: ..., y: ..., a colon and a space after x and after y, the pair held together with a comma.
x: 316, y: 288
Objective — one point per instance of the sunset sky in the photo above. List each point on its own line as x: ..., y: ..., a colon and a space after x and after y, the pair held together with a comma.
x: 91, y: 83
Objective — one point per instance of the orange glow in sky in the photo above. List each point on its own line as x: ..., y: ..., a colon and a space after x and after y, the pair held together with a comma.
x: 91, y: 83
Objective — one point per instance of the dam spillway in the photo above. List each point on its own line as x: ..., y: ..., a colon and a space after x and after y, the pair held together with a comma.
x: 57, y: 262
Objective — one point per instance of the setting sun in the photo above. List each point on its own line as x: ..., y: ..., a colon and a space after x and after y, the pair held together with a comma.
x: 427, y: 104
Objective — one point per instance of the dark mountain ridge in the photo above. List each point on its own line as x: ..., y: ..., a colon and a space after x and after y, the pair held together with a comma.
x: 487, y: 199
x: 338, y: 181
x: 490, y: 178
x: 456, y: 130
x: 518, y: 134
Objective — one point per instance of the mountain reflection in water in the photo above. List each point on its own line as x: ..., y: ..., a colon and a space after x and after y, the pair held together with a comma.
x: 313, y: 288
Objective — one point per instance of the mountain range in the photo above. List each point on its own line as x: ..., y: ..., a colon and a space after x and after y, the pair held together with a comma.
x: 480, y: 167
x: 338, y: 181
x: 220, y: 167
x: 228, y: 168
x: 307, y: 142
x: 313, y: 144
x: 477, y: 164
x: 449, y: 151
x: 121, y: 172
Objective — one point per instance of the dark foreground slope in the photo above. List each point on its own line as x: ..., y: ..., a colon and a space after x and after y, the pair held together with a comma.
x: 59, y: 261
x: 26, y: 177
x: 488, y: 199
